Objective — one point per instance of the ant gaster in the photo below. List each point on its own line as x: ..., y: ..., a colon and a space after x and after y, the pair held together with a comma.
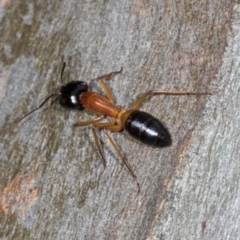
x: 140, y: 125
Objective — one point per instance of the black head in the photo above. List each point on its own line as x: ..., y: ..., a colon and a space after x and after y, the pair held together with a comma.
x: 69, y: 95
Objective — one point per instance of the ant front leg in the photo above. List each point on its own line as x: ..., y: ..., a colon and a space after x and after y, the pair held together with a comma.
x: 140, y: 100
x: 105, y: 87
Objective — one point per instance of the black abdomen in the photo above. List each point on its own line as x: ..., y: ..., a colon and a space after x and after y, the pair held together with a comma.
x: 148, y: 129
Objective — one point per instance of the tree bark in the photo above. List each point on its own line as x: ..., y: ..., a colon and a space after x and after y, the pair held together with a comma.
x: 51, y: 181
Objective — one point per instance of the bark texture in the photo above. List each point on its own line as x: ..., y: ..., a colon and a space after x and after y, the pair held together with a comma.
x: 50, y: 179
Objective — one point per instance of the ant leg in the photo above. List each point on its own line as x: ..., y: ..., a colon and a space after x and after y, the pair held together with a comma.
x: 104, y: 86
x: 122, y: 157
x: 109, y: 126
x: 110, y: 75
x: 139, y: 101
x: 89, y: 122
x: 156, y: 92
x: 99, y: 147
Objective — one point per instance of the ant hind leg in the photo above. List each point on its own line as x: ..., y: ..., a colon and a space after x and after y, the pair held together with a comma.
x: 142, y: 98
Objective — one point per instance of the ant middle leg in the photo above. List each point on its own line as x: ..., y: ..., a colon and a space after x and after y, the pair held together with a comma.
x: 115, y: 128
x: 140, y: 100
x: 99, y: 147
x: 104, y: 86
x: 122, y: 158
x: 109, y: 126
x: 89, y: 122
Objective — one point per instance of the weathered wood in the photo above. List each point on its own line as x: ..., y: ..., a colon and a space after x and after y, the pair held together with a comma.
x: 51, y: 180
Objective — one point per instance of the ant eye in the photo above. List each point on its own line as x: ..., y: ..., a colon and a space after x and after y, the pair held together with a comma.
x: 70, y: 95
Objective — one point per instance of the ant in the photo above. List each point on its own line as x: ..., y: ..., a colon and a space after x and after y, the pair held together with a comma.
x: 140, y: 125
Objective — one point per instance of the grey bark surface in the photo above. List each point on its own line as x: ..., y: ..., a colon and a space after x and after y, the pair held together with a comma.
x: 50, y: 180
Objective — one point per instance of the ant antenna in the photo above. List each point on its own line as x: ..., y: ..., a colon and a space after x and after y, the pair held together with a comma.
x: 34, y: 109
x: 63, y: 67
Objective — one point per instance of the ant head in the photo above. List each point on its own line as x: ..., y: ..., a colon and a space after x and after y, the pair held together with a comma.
x: 69, y: 95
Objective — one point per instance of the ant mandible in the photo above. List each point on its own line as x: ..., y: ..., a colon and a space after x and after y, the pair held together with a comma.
x: 140, y: 125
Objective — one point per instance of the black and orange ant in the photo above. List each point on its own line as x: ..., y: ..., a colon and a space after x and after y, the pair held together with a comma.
x: 140, y: 125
